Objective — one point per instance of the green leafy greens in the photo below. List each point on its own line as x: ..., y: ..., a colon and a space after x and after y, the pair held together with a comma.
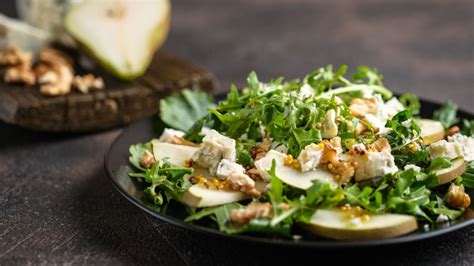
x: 447, y: 114
x: 163, y: 179
x: 293, y: 114
x: 182, y: 110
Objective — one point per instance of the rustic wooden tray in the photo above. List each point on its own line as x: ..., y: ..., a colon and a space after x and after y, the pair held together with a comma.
x: 118, y: 104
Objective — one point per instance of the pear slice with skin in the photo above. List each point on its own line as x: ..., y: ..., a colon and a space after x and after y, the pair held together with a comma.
x: 290, y: 176
x: 175, y: 154
x: 457, y: 168
x: 122, y: 34
x: 200, y: 196
x: 431, y: 131
x: 336, y: 224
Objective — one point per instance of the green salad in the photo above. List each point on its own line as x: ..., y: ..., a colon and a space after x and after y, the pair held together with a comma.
x: 336, y: 155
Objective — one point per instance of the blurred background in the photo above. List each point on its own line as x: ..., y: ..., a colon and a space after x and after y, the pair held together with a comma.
x: 60, y: 208
x: 424, y: 46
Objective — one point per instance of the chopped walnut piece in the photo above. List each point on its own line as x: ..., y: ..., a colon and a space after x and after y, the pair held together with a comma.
x: 57, y: 81
x: 253, y: 173
x: 360, y: 107
x: 18, y: 65
x: 452, y: 131
x: 147, y: 160
x: 20, y: 74
x: 243, y: 183
x: 254, y: 210
x: 260, y: 149
x: 381, y: 145
x: 456, y: 197
x: 360, y: 128
x: 55, y: 73
x: 182, y: 141
x: 330, y: 160
x: 87, y: 82
x: 14, y: 56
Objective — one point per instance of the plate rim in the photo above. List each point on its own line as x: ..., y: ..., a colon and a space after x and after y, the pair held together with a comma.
x: 322, y: 244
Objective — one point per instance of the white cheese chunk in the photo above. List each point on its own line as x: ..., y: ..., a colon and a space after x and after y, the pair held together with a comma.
x: 310, y: 156
x: 447, y: 150
x: 227, y: 168
x: 466, y: 143
x: 169, y: 134
x: 306, y: 91
x: 412, y: 166
x: 234, y: 173
x: 215, y: 147
x: 442, y: 218
x: 372, y: 164
x: 384, y: 112
x: 204, y: 131
x: 329, y: 130
x: 375, y: 122
x: 393, y: 106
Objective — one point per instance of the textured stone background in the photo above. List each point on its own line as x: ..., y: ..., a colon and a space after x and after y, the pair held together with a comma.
x: 56, y: 205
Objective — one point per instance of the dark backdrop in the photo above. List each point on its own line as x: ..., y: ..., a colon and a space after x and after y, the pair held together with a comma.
x: 56, y: 206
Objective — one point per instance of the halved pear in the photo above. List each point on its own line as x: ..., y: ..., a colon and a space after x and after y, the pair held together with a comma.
x: 446, y: 175
x: 336, y: 224
x: 431, y: 131
x: 200, y: 196
x: 290, y: 176
x: 176, y: 154
x: 122, y: 34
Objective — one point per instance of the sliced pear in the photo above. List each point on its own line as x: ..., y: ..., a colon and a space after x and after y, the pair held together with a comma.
x: 431, y: 131
x: 176, y: 154
x: 446, y: 175
x: 336, y: 224
x: 16, y: 33
x: 197, y: 195
x: 122, y: 34
x: 290, y: 176
x: 200, y: 196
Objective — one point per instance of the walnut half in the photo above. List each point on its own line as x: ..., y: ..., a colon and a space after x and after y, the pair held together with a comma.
x: 456, y: 197
x: 55, y: 73
x: 18, y: 65
x: 20, y: 74
x: 87, y: 82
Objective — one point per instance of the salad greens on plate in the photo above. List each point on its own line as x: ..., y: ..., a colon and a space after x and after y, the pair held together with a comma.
x: 339, y: 157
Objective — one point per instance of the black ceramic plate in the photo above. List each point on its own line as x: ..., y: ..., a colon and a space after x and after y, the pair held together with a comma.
x: 118, y: 167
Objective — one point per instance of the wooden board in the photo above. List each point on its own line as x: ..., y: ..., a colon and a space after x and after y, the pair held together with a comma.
x: 118, y: 104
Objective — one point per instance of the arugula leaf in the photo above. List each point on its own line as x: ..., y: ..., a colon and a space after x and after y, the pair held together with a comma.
x: 468, y: 127
x: 411, y: 102
x: 447, y: 114
x: 468, y: 176
x: 181, y: 111
x: 276, y: 191
x: 323, y: 78
x: 221, y: 215
x: 402, y: 136
x: 440, y: 163
x: 367, y: 75
x: 162, y: 177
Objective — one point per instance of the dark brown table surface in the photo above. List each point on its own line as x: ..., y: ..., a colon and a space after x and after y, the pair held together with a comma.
x: 57, y: 206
